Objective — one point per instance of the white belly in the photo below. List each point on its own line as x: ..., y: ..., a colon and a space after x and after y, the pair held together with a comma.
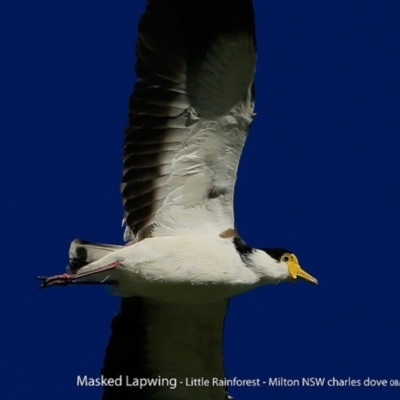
x: 183, y: 269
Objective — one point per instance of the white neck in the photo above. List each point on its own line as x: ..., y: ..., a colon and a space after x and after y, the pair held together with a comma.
x: 266, y: 268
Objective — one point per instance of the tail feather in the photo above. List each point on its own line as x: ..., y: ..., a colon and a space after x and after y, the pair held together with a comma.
x: 82, y: 253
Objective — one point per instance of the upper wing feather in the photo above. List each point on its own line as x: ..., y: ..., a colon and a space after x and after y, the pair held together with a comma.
x: 189, y: 115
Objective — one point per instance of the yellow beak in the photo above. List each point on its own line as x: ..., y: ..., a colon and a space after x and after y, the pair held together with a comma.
x: 295, y: 271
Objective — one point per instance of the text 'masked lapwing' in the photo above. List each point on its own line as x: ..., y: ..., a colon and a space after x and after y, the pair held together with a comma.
x: 190, y: 113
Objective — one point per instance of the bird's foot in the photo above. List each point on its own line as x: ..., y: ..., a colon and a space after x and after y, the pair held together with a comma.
x: 62, y: 279
x: 67, y: 279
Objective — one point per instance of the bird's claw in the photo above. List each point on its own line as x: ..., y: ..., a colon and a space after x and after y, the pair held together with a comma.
x: 63, y: 279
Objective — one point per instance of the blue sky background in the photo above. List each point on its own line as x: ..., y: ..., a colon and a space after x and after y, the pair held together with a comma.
x: 319, y: 175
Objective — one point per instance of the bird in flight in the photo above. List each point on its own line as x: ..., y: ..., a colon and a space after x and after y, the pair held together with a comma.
x: 189, y: 116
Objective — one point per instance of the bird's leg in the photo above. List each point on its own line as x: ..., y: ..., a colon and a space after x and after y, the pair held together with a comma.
x: 67, y: 279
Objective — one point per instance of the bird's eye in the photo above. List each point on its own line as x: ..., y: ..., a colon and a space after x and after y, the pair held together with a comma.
x: 285, y: 257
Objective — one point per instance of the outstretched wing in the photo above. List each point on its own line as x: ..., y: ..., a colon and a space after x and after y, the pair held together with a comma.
x: 189, y: 116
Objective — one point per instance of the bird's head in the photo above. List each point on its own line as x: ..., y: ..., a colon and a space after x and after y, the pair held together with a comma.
x: 294, y: 269
x: 282, y: 265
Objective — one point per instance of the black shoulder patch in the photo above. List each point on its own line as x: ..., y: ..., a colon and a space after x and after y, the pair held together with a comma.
x: 276, y: 253
x: 241, y: 247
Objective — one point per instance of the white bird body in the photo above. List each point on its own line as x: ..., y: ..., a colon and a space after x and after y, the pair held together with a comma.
x: 197, y: 268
